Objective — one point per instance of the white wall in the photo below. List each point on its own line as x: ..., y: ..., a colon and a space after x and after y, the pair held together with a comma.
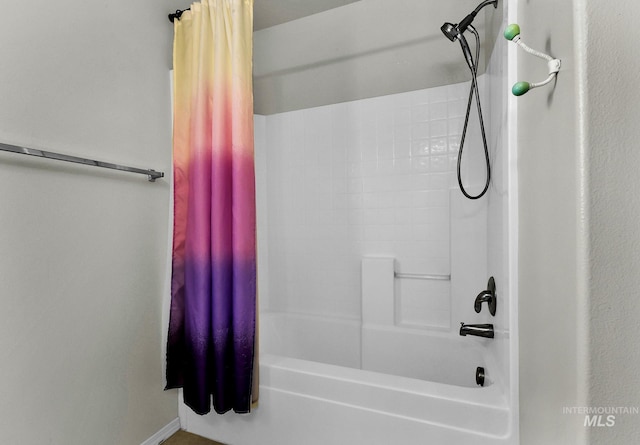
x: 578, y: 225
x: 83, y: 249
x: 612, y: 135
x: 552, y: 297
x: 501, y: 204
x: 365, y: 49
x: 262, y: 210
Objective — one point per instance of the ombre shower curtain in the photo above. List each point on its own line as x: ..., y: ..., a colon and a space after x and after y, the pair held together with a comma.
x: 212, y: 323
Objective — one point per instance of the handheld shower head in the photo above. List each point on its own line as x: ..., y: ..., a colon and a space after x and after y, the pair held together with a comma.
x: 455, y: 32
x: 450, y: 31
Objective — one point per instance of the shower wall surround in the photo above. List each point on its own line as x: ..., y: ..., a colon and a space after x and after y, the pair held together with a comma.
x: 364, y: 178
x: 501, y: 205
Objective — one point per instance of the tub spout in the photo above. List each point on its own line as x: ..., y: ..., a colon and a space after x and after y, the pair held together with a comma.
x: 479, y: 330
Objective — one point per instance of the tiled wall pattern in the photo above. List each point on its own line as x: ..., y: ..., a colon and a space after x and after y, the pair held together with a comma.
x: 369, y: 177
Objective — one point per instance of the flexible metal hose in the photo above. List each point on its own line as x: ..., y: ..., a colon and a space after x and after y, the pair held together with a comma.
x: 473, y: 66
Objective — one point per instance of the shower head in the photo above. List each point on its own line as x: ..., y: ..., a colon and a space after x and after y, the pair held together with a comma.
x: 453, y: 32
x: 450, y: 31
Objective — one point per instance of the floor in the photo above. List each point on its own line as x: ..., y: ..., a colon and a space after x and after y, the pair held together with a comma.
x: 184, y: 438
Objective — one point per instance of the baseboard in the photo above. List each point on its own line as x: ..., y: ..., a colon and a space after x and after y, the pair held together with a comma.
x: 162, y: 435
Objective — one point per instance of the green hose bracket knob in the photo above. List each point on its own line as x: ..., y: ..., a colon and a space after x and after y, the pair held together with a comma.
x: 511, y: 31
x: 519, y: 88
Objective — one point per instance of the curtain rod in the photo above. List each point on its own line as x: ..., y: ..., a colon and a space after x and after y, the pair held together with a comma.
x: 177, y: 14
x: 151, y: 174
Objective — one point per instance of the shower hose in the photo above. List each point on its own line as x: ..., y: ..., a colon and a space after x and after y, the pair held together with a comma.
x: 473, y: 66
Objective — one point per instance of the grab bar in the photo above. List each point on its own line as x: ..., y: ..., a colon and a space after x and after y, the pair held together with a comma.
x: 151, y: 174
x: 421, y: 276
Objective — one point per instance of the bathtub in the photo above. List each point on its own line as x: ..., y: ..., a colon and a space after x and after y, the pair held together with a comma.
x: 422, y: 385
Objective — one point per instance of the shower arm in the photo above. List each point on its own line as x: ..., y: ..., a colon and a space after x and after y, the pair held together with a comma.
x: 465, y: 22
x: 456, y: 31
x: 485, y: 3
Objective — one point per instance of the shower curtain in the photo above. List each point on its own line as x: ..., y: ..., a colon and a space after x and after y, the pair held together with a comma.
x: 211, y: 341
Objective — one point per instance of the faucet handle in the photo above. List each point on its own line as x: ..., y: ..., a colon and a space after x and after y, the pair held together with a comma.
x: 489, y: 296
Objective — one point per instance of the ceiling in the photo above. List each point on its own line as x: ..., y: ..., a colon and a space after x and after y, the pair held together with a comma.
x: 267, y: 13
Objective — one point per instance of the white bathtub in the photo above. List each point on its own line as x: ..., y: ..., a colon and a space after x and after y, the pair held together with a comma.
x: 435, y: 356
x: 304, y: 402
